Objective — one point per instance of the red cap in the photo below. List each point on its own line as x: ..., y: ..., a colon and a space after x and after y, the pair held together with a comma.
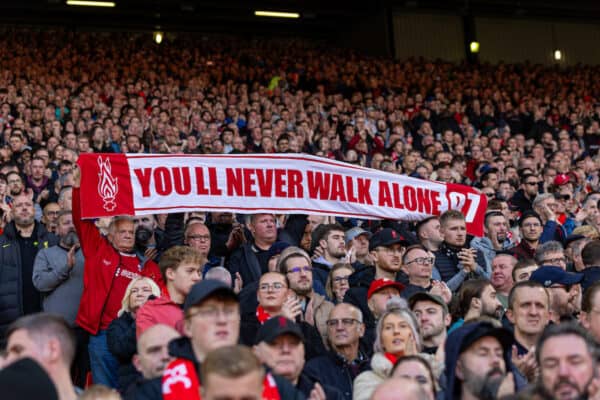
x: 561, y: 179
x: 379, y: 284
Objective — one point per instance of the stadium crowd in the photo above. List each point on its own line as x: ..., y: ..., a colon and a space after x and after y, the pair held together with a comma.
x: 223, y: 306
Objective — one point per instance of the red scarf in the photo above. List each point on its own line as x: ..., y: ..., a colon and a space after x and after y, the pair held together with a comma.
x: 180, y: 382
x: 392, y: 357
x: 262, y: 315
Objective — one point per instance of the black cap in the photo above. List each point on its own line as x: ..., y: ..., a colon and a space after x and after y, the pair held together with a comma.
x: 387, y: 237
x: 572, y: 238
x: 204, y: 289
x: 484, y: 329
x: 426, y: 296
x: 275, y: 327
x: 26, y: 379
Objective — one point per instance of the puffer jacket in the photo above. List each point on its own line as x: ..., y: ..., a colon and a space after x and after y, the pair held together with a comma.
x: 11, y: 278
x: 366, y: 383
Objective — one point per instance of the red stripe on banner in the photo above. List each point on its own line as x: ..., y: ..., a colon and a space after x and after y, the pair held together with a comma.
x: 262, y: 156
x: 105, y: 189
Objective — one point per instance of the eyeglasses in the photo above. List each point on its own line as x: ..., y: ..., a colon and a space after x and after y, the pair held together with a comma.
x: 276, y: 287
x: 340, y: 279
x: 296, y: 270
x: 558, y: 260
x: 531, y: 183
x: 212, y: 313
x: 347, y: 322
x: 422, y: 261
x: 200, y: 238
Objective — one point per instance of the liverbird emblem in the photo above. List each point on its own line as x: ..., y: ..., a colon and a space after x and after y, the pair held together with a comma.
x: 107, y: 184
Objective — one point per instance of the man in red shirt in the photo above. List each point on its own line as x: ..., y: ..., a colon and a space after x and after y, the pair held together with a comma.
x: 110, y: 264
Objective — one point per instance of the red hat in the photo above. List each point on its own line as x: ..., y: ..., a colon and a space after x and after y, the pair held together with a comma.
x: 379, y: 284
x: 561, y: 179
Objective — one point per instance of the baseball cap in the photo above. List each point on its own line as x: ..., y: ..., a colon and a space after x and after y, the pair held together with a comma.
x: 275, y: 327
x: 561, y: 179
x: 484, y: 329
x: 572, y: 238
x: 379, y: 284
x: 356, y: 232
x: 549, y: 275
x: 386, y: 237
x: 426, y: 296
x: 202, y: 290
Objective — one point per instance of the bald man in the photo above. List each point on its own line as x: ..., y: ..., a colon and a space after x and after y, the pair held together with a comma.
x: 152, y: 350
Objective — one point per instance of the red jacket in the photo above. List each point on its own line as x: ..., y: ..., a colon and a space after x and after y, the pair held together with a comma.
x: 101, y: 262
x: 159, y: 311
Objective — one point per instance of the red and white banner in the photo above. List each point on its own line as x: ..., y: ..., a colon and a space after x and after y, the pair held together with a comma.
x: 137, y: 184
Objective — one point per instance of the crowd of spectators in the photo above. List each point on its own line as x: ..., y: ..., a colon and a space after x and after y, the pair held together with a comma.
x: 227, y: 306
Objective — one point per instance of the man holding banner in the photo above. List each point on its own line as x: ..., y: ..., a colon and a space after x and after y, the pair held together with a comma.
x: 110, y: 264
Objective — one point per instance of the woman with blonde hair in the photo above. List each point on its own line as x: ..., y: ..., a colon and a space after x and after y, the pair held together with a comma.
x: 397, y: 335
x: 120, y: 337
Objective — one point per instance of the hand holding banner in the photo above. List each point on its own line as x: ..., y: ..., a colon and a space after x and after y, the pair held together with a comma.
x: 137, y: 184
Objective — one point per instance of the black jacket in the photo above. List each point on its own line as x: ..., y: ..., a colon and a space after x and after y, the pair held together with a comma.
x: 244, y: 261
x: 306, y: 383
x: 182, y: 348
x: 313, y: 344
x: 333, y: 370
x: 11, y: 277
x: 121, y: 341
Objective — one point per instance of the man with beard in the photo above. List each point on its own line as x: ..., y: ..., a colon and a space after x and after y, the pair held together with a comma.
x: 566, y: 354
x: 477, y: 361
x: 331, y: 239
x: 523, y: 198
x: 19, y: 244
x: 146, y: 237
x: 477, y: 298
x: 564, y: 290
x: 314, y: 309
x: 58, y: 271
x: 502, y: 266
x: 496, y: 239
x: 433, y: 318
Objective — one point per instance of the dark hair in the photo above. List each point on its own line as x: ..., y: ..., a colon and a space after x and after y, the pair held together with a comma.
x: 525, y: 263
x: 471, y: 289
x: 590, y: 255
x: 563, y: 329
x: 329, y: 283
x: 491, y: 214
x: 529, y: 284
x: 588, y: 297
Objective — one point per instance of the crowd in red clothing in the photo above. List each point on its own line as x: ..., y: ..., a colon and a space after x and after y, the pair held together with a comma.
x: 159, y: 306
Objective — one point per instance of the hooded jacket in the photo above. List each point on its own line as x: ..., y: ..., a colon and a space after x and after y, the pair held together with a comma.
x: 454, y: 342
